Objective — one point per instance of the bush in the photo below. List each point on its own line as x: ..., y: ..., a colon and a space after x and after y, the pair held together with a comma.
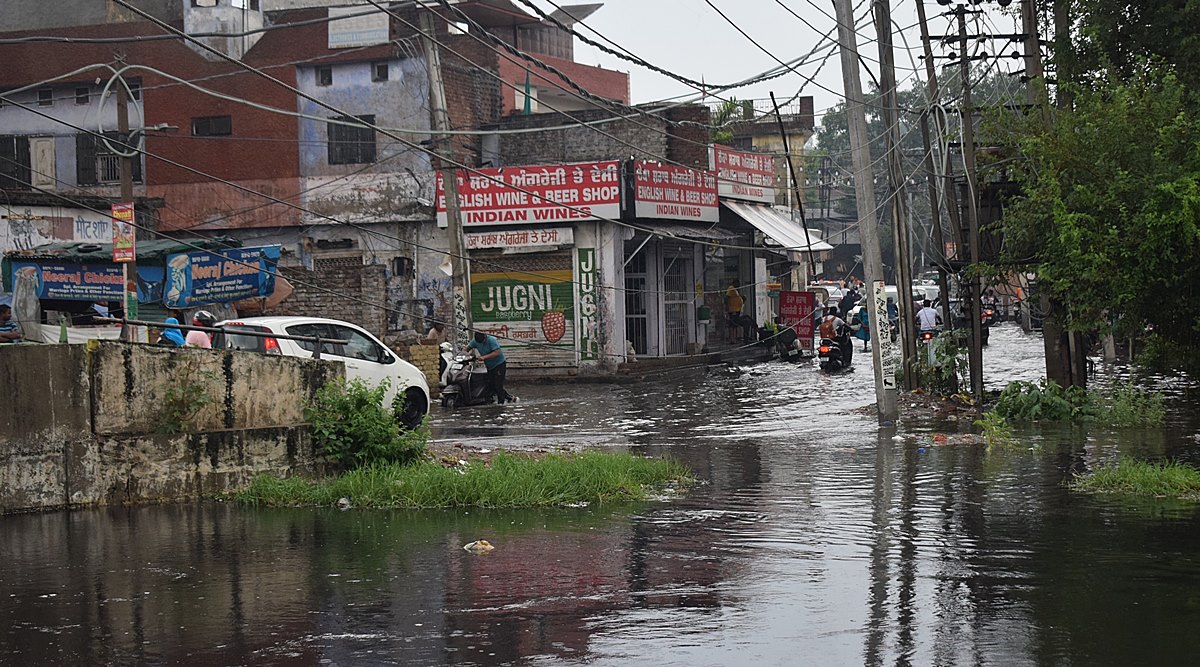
x: 352, y: 426
x: 1046, y: 401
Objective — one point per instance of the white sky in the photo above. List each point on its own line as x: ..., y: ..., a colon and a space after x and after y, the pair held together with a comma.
x: 690, y: 38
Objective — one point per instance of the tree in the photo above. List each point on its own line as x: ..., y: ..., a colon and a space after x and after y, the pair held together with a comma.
x: 1110, y: 210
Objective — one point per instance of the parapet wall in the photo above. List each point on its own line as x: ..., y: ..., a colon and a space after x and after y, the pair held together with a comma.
x: 87, y: 424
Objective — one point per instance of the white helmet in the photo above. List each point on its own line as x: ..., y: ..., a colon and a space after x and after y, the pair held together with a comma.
x: 446, y: 347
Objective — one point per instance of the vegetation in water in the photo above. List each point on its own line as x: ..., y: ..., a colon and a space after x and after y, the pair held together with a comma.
x: 1165, y: 479
x: 352, y: 426
x: 509, y: 480
x: 1126, y: 406
x: 996, y: 430
x: 948, y: 372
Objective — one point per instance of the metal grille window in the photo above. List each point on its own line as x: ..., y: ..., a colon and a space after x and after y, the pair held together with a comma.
x: 324, y: 76
x: 95, y: 163
x: 212, y: 126
x: 14, y: 162
x: 83, y: 95
x: 379, y: 71
x: 45, y: 97
x: 349, y: 144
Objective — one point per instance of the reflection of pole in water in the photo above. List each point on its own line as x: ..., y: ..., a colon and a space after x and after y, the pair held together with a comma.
x: 881, y: 505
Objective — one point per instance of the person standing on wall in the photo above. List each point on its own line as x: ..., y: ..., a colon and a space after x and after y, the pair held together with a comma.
x: 488, y: 349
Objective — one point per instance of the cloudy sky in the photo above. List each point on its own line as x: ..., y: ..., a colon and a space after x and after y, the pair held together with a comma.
x: 690, y: 38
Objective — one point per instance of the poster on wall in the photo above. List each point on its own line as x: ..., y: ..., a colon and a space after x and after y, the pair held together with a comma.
x: 589, y: 306
x: 743, y: 175
x: 523, y: 195
x: 535, y: 310
x: 889, y: 352
x: 674, y: 193
x: 122, y: 233
x: 198, y: 278
x: 796, y: 310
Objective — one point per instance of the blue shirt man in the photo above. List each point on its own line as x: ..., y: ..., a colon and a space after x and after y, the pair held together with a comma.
x: 488, y: 349
x: 9, y: 331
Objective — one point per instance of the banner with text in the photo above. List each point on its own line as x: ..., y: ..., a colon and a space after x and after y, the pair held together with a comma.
x: 742, y: 175
x: 522, y: 195
x: 589, y: 306
x: 71, y: 282
x: 124, y: 246
x: 796, y: 310
x: 198, y: 278
x: 674, y: 193
x: 535, y: 309
x: 521, y: 238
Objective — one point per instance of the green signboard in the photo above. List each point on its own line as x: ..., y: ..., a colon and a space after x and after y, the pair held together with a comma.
x: 589, y: 306
x: 535, y: 309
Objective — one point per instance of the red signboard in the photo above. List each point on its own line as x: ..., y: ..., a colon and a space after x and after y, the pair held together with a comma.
x: 796, y: 310
x: 546, y: 193
x: 741, y: 175
x: 122, y: 232
x: 675, y: 193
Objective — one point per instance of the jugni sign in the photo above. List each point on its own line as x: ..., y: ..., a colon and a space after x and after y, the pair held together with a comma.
x: 198, y: 278
x: 589, y: 307
x: 536, y: 309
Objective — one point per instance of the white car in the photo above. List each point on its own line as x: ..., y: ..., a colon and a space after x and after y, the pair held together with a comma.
x: 365, y: 357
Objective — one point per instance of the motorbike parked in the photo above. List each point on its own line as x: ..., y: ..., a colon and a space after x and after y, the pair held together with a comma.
x: 464, y: 380
x: 925, y: 342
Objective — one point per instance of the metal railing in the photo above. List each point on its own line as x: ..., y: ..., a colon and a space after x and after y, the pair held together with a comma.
x: 230, y: 328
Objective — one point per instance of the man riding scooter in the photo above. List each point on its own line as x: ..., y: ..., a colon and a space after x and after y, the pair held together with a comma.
x: 833, y: 328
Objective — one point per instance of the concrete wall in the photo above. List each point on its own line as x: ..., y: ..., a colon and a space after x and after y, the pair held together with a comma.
x: 79, y: 425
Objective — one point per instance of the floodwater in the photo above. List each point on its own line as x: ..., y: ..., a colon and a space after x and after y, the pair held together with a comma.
x: 816, y: 538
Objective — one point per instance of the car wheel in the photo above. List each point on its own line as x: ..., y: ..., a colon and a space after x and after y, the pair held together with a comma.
x: 415, y: 407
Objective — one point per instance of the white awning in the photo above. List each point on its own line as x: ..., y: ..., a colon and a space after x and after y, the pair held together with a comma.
x: 778, y: 226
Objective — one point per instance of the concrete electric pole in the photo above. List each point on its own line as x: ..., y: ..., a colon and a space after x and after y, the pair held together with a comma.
x: 440, y: 117
x: 973, y: 292
x: 864, y: 193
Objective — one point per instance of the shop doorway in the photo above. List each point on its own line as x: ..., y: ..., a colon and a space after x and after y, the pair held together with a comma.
x: 637, y: 315
x: 677, y: 303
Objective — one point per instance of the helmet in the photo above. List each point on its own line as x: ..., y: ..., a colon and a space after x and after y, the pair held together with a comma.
x: 446, y: 347
x: 832, y: 310
x: 204, y: 318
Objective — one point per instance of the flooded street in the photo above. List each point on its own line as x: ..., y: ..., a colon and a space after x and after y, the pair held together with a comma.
x: 816, y: 537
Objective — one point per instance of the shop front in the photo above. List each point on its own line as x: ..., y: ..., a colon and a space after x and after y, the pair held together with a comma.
x: 541, y: 251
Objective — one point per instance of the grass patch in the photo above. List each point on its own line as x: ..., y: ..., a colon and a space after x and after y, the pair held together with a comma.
x: 509, y: 481
x: 1130, y: 477
x: 1126, y: 406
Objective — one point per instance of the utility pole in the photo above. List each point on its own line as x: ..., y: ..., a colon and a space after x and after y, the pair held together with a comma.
x: 935, y: 186
x: 128, y: 154
x: 440, y: 117
x: 902, y: 250
x: 864, y: 192
x: 973, y: 292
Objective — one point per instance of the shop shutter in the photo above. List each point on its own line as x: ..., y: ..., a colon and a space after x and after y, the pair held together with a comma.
x: 532, y: 267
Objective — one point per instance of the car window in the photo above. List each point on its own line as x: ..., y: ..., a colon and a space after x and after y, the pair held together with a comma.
x: 315, y: 330
x: 229, y: 339
x: 360, y: 346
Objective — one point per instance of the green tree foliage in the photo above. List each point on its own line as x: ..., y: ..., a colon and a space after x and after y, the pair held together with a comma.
x: 1113, y: 39
x: 1111, y: 204
x: 352, y: 426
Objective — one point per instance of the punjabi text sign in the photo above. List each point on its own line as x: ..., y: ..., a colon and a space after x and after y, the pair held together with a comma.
x: 796, y: 310
x: 742, y: 175
x: 521, y: 238
x: 523, y: 195
x: 674, y: 193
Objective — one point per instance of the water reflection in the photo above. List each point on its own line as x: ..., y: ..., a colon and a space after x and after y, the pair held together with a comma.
x: 817, y: 538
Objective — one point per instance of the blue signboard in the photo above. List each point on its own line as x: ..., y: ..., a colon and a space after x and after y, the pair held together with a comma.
x: 67, y: 281
x: 198, y: 278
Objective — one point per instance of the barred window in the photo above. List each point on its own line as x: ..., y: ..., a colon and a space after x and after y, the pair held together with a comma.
x: 352, y: 145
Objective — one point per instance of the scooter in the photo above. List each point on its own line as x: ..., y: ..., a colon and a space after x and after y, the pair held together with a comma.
x: 832, y: 356
x: 464, y: 382
x: 925, y: 340
x: 788, y: 346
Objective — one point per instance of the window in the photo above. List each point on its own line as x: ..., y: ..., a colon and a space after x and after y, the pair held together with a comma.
x: 324, y: 76
x: 45, y: 97
x: 352, y: 145
x: 135, y: 89
x: 359, y: 346
x: 83, y: 95
x: 212, y: 126
x: 14, y: 162
x: 379, y: 71
x: 96, y: 164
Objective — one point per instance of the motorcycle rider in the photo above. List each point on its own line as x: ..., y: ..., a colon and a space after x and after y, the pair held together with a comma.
x: 928, y: 318
x: 835, y: 329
